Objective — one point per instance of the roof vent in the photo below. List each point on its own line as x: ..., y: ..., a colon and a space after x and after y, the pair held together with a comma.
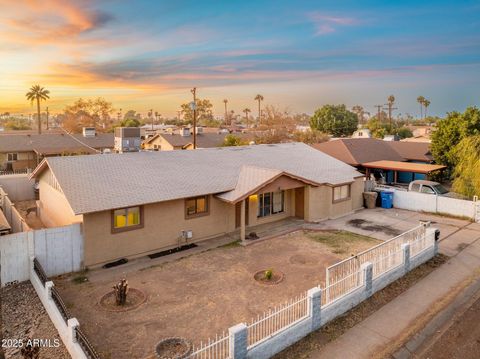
x: 185, y: 132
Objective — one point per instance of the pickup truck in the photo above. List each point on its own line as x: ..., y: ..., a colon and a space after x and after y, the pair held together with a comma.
x: 430, y: 187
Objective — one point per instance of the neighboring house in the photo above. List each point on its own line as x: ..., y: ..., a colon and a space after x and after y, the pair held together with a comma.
x: 378, y: 155
x: 420, y: 134
x: 183, y: 140
x: 362, y: 133
x: 25, y: 151
x: 135, y: 204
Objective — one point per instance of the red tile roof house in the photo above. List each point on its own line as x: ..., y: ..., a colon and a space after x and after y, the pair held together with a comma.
x: 402, y: 162
x: 135, y: 204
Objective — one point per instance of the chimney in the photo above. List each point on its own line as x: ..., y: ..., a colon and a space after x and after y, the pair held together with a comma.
x: 89, y: 132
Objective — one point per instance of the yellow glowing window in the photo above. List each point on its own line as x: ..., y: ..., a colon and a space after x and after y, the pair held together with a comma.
x: 196, y: 206
x: 126, y: 217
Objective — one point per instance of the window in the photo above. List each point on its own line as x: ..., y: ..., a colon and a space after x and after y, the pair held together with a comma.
x: 125, y: 219
x: 341, y: 193
x: 427, y: 189
x: 415, y: 187
x: 11, y: 157
x: 196, y: 206
x: 271, y: 203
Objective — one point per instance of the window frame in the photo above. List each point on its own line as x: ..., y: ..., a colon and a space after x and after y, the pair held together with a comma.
x: 271, y: 212
x: 13, y: 154
x: 126, y: 228
x: 196, y: 214
x: 342, y: 199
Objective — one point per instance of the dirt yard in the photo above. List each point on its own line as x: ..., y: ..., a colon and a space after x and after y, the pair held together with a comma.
x: 204, y: 294
x: 28, y: 213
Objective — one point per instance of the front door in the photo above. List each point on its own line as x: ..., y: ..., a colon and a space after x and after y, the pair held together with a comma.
x: 238, y: 209
x: 300, y: 202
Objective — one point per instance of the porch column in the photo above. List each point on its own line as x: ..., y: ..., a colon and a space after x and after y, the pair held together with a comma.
x: 242, y: 220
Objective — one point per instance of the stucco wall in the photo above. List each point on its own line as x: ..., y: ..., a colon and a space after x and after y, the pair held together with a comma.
x: 160, y: 141
x: 163, y: 223
x: 319, y: 201
x: 53, y: 207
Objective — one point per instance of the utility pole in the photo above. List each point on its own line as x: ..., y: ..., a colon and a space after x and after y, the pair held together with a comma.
x: 390, y: 108
x: 379, y: 111
x: 194, y: 105
x: 47, y: 118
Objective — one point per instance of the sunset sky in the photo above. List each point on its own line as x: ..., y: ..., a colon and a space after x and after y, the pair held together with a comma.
x: 298, y: 54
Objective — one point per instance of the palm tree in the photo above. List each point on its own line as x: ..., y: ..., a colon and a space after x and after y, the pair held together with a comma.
x: 225, y: 101
x: 426, y: 103
x: 421, y: 100
x: 259, y: 98
x: 246, y: 111
x: 357, y: 109
x: 38, y: 93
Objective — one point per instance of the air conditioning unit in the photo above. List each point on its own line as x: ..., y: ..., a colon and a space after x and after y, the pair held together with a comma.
x: 89, y: 132
x: 188, y: 234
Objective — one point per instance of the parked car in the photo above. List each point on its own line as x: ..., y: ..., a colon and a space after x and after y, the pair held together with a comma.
x: 430, y: 187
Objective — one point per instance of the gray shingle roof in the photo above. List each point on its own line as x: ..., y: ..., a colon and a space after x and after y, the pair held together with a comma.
x: 204, y: 140
x: 101, y: 182
x: 54, y: 142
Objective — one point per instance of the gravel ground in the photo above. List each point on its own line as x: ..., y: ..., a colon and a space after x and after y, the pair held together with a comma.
x: 23, y: 317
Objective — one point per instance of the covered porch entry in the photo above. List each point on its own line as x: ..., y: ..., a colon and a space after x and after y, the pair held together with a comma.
x: 263, y: 196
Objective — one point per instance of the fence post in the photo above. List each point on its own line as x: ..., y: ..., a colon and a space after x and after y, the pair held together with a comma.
x: 48, y: 289
x: 367, y: 268
x: 238, y: 341
x: 315, y: 303
x: 435, y: 243
x: 406, y: 257
x: 72, y: 324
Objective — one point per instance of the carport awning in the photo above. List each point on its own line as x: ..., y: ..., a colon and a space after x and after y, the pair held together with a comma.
x: 404, y: 166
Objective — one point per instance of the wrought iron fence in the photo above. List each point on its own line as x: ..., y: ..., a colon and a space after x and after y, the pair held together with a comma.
x: 85, y: 344
x: 39, y: 271
x: 277, y: 319
x: 62, y: 308
x: 218, y: 348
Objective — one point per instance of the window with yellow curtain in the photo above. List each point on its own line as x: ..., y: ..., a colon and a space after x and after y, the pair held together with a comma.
x: 196, y: 206
x: 126, y: 218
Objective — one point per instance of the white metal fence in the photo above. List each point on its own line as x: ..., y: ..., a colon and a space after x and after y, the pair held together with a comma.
x: 213, y: 349
x: 384, y: 256
x: 276, y: 319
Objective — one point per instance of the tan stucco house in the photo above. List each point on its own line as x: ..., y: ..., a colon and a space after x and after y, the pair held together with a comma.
x: 135, y: 204
x: 25, y: 151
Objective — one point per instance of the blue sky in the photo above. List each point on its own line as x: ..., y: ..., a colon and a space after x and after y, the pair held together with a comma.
x: 298, y: 54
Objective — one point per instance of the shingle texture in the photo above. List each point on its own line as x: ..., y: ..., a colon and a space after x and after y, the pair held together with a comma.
x: 356, y: 151
x: 101, y: 182
x: 54, y: 143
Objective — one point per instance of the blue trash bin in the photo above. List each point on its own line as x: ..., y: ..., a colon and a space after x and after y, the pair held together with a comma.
x: 387, y: 199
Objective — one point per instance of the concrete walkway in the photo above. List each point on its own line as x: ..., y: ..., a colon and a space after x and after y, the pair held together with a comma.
x: 387, y: 329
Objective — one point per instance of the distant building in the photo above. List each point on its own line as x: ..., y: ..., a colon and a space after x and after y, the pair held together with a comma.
x: 182, y: 139
x: 362, y: 133
x: 127, y: 139
x: 25, y: 151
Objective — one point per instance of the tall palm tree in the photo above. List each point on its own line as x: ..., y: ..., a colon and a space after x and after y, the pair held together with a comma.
x: 421, y: 100
x: 246, y: 111
x: 426, y: 103
x: 225, y: 101
x: 38, y: 93
x: 359, y: 111
x: 259, y: 98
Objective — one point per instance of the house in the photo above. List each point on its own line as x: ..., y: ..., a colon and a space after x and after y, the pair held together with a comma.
x: 135, y: 204
x: 377, y: 155
x: 362, y: 133
x: 25, y: 151
x: 183, y: 140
